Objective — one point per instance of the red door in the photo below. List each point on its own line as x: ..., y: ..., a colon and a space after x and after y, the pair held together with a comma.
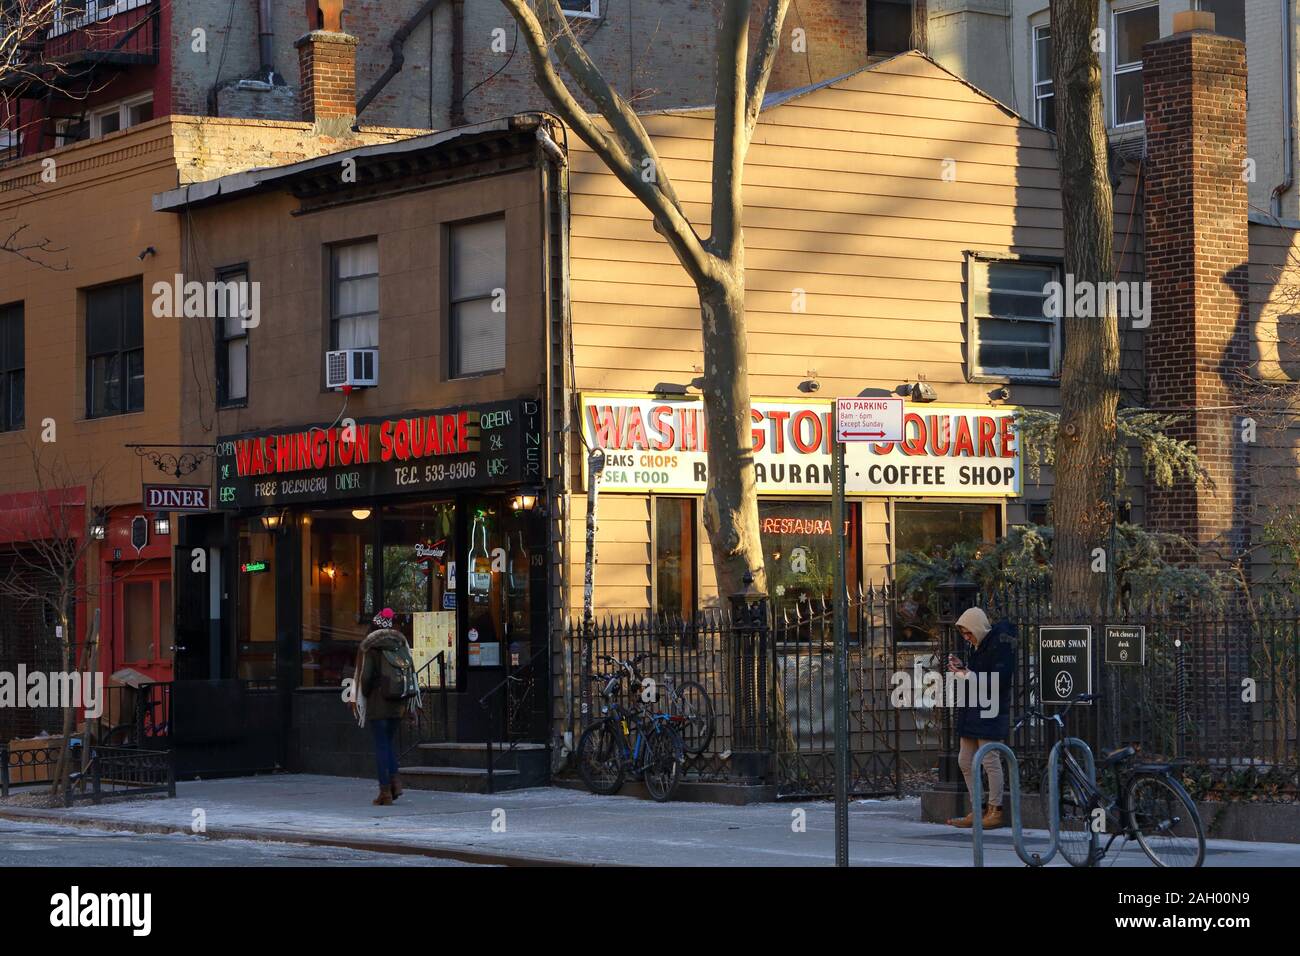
x: 143, y: 625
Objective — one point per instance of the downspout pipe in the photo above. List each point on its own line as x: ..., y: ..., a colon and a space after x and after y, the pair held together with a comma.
x: 1288, y: 112
x: 265, y: 40
x: 398, y: 47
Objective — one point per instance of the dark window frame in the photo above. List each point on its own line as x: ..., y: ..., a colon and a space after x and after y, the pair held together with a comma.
x: 223, y: 340
x: 122, y: 352
x: 13, y: 367
x: 974, y: 372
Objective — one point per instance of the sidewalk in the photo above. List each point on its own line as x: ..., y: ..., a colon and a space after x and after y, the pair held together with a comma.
x: 554, y: 825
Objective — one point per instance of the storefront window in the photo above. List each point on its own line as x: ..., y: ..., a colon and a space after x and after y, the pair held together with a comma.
x: 799, y: 549
x: 928, y: 528
x: 419, y: 574
x: 497, y: 584
x: 338, y: 575
x: 255, y: 647
x: 674, y: 566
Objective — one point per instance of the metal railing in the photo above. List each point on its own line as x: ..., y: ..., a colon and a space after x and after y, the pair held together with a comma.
x: 431, y: 721
x: 509, y: 705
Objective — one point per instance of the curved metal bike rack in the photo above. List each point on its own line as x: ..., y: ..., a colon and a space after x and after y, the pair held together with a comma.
x: 1053, y: 798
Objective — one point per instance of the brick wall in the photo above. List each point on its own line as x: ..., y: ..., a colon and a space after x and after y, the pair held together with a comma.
x: 1197, y: 251
x: 327, y: 65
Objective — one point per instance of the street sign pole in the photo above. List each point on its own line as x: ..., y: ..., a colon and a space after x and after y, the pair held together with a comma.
x: 841, y: 661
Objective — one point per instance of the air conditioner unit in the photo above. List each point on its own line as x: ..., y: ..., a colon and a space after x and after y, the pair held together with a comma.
x: 352, y: 368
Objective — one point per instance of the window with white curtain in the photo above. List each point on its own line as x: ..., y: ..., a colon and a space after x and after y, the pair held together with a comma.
x: 354, y: 297
x: 477, y: 297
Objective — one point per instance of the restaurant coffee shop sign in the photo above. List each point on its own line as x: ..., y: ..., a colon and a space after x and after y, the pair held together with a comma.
x: 472, y: 446
x: 655, y: 444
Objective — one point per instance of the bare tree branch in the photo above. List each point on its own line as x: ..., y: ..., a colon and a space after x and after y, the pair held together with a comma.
x: 760, y: 67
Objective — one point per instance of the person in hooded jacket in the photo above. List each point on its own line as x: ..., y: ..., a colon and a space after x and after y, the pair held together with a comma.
x: 383, y: 715
x: 994, y: 655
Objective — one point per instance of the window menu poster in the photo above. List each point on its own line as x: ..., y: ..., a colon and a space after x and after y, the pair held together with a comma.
x: 432, y: 632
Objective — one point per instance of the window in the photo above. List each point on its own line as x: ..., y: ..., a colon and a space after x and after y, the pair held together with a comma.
x: 933, y: 528
x: 1044, y: 95
x: 478, y: 279
x: 115, y: 349
x: 674, y: 529
x: 1229, y: 16
x: 338, y: 598
x: 12, y: 378
x: 1134, y: 29
x: 889, y: 26
x: 1010, y: 333
x: 68, y: 131
x: 354, y: 299
x: 232, y: 338
x: 799, y: 549
x: 581, y: 8
x: 255, y: 613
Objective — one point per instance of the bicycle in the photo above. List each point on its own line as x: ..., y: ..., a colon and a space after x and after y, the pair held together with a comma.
x: 1151, y: 806
x: 688, y: 700
x: 646, y: 744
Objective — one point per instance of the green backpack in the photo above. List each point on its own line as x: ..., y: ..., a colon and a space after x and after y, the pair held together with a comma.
x: 396, y: 675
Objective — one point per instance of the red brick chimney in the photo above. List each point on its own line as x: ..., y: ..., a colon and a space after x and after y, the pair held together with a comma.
x: 327, y: 59
x: 1197, y: 250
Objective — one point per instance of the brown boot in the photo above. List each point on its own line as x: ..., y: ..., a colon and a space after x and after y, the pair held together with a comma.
x: 993, y: 819
x: 965, y: 823
x: 385, y: 798
x: 395, y: 787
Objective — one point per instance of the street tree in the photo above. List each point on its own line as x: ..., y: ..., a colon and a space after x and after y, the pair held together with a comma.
x: 715, y: 263
x: 1088, y: 439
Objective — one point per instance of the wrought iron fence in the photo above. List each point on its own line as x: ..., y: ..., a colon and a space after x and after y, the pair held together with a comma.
x: 1218, y: 693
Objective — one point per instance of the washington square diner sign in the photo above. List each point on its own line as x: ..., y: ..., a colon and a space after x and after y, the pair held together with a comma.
x: 660, y: 445
x: 470, y: 446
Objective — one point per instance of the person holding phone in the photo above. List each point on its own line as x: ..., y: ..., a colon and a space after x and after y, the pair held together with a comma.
x: 993, y: 663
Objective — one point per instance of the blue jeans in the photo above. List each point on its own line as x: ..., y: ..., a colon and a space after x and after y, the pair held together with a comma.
x: 385, y: 734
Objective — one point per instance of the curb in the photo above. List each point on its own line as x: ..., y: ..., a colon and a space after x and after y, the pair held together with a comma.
x: 481, y: 857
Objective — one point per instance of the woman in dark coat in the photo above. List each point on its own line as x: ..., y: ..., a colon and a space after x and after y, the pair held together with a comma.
x: 993, y: 664
x: 382, y: 713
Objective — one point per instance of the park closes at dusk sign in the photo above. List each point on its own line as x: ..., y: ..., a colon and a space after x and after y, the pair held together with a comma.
x: 660, y: 444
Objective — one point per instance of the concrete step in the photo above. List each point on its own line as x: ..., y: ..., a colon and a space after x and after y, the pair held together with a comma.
x: 453, y: 754
x: 460, y: 779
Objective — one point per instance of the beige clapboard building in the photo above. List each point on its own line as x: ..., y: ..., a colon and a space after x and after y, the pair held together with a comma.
x: 880, y: 209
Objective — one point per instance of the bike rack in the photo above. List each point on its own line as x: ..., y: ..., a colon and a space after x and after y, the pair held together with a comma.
x: 1053, y: 798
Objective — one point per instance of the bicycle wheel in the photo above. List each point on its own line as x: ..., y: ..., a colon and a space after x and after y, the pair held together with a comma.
x: 1165, y: 820
x: 664, y: 762
x: 599, y: 763
x: 693, y: 703
x: 1078, y: 840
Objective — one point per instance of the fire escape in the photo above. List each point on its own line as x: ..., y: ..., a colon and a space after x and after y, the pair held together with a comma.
x: 89, y: 43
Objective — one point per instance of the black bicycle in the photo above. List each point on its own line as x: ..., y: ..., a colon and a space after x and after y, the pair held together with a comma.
x: 644, y: 743
x: 688, y: 700
x: 1150, y: 806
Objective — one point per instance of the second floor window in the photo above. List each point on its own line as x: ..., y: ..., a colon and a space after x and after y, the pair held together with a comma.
x: 581, y: 8
x: 1134, y: 28
x: 478, y: 297
x: 1010, y: 333
x: 232, y: 340
x: 115, y: 349
x: 1044, y: 94
x: 12, y: 379
x: 1229, y: 17
x: 889, y: 26
x: 354, y: 296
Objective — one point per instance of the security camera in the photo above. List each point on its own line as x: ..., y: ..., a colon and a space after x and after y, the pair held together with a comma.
x: 150, y: 251
x: 924, y: 392
x: 1000, y: 394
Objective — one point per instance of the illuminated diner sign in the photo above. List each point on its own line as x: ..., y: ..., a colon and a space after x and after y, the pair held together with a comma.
x: 661, y: 445
x: 496, y: 443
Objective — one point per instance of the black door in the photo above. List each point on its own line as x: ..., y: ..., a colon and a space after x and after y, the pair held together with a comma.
x: 195, y: 638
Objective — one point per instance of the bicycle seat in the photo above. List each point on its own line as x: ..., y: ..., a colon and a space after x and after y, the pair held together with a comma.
x: 1116, y: 756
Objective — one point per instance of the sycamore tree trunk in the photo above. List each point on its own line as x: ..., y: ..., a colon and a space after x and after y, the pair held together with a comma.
x: 1083, y: 492
x: 731, y: 498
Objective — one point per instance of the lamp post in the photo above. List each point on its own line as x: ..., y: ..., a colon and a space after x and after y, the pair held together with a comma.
x: 955, y: 595
x: 751, y: 748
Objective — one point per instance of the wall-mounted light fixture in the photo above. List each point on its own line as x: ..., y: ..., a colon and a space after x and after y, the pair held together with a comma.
x: 329, y: 569
x: 923, y: 392
x: 99, y: 525
x: 523, y: 502
x: 273, y: 520
x: 361, y: 514
x: 162, y: 524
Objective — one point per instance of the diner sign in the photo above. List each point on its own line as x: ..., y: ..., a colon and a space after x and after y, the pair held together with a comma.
x: 499, y: 443
x: 660, y: 445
